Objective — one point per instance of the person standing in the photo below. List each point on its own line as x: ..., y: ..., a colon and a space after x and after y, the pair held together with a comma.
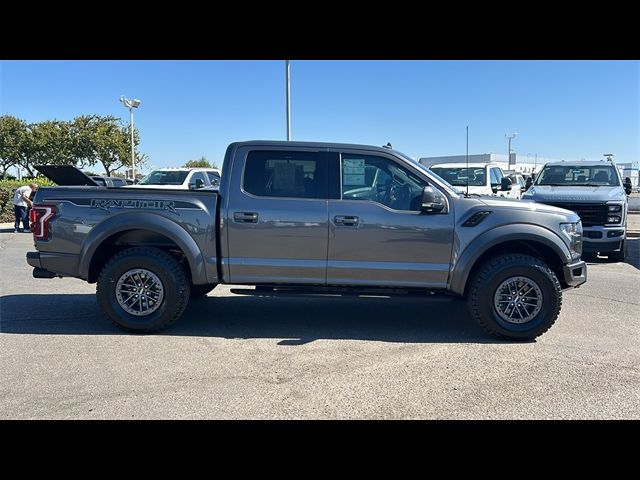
x: 21, y: 202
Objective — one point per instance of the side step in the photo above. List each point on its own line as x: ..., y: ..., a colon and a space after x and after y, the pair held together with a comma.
x: 291, y: 290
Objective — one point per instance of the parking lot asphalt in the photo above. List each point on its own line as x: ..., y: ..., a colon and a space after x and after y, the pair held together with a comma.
x: 238, y: 355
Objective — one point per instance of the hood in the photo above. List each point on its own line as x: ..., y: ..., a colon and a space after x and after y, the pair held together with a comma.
x: 524, y: 205
x: 65, y: 175
x: 547, y: 193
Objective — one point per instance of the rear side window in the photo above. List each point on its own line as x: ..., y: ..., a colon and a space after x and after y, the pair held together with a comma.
x: 285, y: 174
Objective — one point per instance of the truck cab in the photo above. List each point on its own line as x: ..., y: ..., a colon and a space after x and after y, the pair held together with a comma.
x: 482, y: 178
x: 595, y: 191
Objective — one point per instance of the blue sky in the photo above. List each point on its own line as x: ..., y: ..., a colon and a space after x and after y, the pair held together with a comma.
x: 560, y: 109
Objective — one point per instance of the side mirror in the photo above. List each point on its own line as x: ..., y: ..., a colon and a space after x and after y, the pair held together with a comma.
x: 505, y: 184
x: 432, y: 201
x: 627, y: 188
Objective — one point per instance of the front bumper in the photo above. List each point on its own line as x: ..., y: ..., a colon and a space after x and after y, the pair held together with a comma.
x: 575, y: 273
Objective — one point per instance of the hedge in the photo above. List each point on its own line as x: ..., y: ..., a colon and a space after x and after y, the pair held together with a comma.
x: 7, y: 187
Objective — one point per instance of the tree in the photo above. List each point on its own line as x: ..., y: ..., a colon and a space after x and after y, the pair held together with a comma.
x: 106, y: 140
x: 202, y: 162
x: 14, y: 143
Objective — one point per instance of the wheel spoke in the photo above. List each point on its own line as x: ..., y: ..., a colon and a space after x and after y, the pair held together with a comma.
x: 139, y: 292
x: 518, y: 299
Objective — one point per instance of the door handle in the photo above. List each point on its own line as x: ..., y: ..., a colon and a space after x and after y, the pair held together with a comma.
x: 346, y: 220
x: 245, y: 217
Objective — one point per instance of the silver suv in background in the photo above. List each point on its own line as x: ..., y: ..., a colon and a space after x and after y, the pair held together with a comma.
x: 594, y: 191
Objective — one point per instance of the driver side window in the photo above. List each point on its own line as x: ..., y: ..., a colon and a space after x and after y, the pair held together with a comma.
x: 378, y: 179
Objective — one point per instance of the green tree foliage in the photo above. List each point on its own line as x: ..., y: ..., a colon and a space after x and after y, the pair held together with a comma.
x: 202, y: 162
x: 15, y: 143
x: 85, y: 141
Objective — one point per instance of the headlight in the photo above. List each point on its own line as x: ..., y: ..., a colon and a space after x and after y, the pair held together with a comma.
x: 573, y: 232
x: 613, y: 219
x: 615, y: 208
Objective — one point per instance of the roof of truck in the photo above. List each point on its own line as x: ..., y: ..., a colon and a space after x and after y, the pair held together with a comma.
x: 581, y: 163
x: 462, y: 165
x: 285, y: 143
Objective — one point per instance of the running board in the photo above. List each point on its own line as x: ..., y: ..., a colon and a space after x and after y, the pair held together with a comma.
x: 288, y: 290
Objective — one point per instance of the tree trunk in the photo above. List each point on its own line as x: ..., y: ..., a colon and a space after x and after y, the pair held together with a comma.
x: 106, y: 168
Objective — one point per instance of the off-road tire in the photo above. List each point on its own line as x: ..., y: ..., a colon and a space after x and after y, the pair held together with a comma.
x: 166, y: 267
x: 491, y: 274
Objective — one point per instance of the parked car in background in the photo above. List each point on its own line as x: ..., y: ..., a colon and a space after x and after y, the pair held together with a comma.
x: 594, y: 191
x: 109, y: 181
x: 482, y: 178
x: 180, y: 179
x: 517, y: 181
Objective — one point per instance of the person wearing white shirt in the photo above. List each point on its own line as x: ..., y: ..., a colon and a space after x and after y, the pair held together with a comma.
x: 21, y: 203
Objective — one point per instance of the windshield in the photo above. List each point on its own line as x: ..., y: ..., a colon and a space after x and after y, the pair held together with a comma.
x: 578, y: 176
x: 442, y: 181
x: 163, y: 177
x: 458, y: 176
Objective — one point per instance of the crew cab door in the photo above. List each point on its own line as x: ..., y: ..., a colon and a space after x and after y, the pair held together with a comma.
x: 377, y: 232
x: 277, y: 217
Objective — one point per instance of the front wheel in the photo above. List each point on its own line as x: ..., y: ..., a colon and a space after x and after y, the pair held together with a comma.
x: 516, y: 296
x: 143, y: 289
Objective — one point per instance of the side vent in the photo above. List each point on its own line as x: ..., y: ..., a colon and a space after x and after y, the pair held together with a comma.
x: 476, y: 218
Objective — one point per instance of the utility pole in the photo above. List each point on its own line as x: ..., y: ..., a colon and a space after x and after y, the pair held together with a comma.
x: 288, y: 95
x: 509, y: 138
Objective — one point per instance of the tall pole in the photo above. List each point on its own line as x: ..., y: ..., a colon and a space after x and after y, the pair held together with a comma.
x: 133, y: 157
x: 288, y: 94
x: 509, y: 138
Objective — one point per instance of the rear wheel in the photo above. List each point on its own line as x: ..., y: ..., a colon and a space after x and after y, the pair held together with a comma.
x: 517, y: 297
x: 143, y: 289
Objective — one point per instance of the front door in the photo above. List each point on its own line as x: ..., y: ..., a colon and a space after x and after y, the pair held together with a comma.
x: 278, y: 228
x: 377, y: 233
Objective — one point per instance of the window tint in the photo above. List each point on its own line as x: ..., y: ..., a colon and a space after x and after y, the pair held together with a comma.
x: 378, y: 179
x: 496, y: 176
x: 285, y: 174
x: 214, y: 178
x: 459, y: 176
x: 198, y: 176
x: 578, y: 175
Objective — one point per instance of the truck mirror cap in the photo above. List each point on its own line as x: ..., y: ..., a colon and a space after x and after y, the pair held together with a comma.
x: 505, y: 184
x: 431, y: 200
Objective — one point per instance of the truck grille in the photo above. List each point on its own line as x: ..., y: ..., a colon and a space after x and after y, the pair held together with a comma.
x: 590, y: 213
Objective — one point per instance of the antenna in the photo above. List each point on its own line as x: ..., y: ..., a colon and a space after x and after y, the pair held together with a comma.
x: 467, y: 161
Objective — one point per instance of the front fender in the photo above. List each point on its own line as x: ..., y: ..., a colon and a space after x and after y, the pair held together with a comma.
x: 149, y: 221
x: 505, y: 233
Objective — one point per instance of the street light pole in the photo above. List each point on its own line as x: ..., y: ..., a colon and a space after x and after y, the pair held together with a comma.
x: 509, y: 138
x: 133, y: 155
x: 131, y: 104
x: 288, y: 97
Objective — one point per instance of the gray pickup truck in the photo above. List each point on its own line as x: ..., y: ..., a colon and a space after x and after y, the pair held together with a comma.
x: 594, y: 190
x: 322, y: 217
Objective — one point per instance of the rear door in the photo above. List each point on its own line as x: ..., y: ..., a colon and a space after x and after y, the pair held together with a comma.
x: 277, y: 219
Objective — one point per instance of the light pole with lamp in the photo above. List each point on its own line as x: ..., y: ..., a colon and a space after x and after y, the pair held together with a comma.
x: 510, y: 138
x: 131, y: 104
